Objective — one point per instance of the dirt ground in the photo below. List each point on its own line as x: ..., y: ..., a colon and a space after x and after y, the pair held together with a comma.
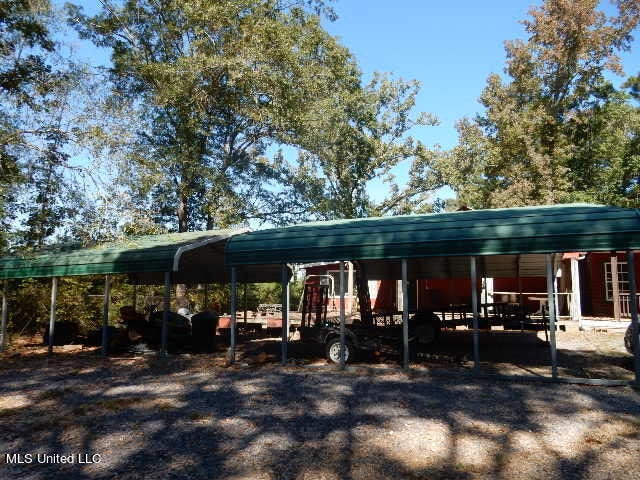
x: 597, y: 353
x: 582, y: 354
x: 189, y: 417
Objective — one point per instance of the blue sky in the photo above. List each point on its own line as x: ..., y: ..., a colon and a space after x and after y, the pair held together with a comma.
x: 449, y: 46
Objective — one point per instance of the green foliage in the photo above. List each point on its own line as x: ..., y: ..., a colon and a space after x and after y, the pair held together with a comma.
x: 557, y: 130
x: 28, y: 305
x: 24, y: 42
x: 355, y: 135
x: 258, y: 293
x: 219, y: 296
x: 633, y: 85
x: 79, y: 300
x: 23, y: 27
x: 43, y: 95
x: 214, y: 83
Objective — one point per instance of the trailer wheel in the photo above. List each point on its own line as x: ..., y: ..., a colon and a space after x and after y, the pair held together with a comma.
x: 332, y: 350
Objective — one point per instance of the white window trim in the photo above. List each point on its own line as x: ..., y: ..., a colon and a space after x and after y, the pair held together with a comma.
x: 608, y: 291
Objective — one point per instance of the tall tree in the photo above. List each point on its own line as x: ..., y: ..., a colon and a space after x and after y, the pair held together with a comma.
x: 549, y: 132
x: 215, y: 83
x: 24, y: 42
x: 356, y: 135
x: 39, y: 118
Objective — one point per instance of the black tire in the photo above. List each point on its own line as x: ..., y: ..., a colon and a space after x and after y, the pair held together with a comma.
x: 332, y: 350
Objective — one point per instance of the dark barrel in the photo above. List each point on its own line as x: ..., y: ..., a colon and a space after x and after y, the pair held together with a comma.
x: 203, y: 331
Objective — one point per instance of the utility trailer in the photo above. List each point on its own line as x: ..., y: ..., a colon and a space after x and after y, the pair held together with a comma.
x: 370, y: 333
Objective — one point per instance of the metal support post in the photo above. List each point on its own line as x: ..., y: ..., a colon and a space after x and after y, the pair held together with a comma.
x: 615, y: 286
x: 633, y: 308
x: 244, y: 300
x: 285, y: 312
x: 5, y: 311
x: 576, y: 302
x: 474, y: 306
x: 52, y: 313
x: 343, y: 359
x: 405, y: 316
x: 232, y: 337
x: 105, y: 315
x: 166, y: 303
x: 552, y: 314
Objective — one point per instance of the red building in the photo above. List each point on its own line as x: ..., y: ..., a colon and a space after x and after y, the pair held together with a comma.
x: 593, y: 272
x: 597, y: 288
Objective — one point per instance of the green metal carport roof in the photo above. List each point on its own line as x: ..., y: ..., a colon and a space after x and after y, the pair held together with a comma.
x: 190, y: 256
x: 526, y: 230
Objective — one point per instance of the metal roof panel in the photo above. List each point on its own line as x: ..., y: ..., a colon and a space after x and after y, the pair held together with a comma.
x: 151, y: 253
x: 540, y: 229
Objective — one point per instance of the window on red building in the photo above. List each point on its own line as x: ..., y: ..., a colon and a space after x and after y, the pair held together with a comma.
x: 623, y: 279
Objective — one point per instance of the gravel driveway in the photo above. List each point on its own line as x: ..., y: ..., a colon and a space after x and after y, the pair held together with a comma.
x: 183, y: 418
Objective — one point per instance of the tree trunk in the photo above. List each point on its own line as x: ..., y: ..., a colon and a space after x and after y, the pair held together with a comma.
x: 182, y: 301
x: 183, y: 213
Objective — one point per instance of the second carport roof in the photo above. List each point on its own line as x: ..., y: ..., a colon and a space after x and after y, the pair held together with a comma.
x: 509, y: 231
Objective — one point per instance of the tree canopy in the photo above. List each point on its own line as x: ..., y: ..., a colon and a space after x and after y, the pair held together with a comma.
x: 42, y: 90
x: 236, y: 112
x: 356, y: 135
x: 554, y: 128
x: 214, y: 84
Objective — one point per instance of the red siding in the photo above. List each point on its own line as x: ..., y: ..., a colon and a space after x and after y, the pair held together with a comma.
x: 334, y: 302
x: 385, y: 300
x: 433, y: 294
x: 529, y: 285
x: 437, y: 293
x: 594, y: 285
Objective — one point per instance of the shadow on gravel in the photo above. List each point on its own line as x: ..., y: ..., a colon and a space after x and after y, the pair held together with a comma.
x: 182, y: 418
